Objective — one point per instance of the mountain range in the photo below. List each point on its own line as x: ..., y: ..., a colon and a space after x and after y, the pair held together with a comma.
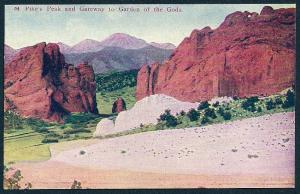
x: 117, y: 52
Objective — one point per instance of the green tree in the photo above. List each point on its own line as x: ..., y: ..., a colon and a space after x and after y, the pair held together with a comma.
x: 170, y: 120
x: 210, y: 112
x: 290, y: 99
x: 227, y: 115
x: 270, y: 105
x: 203, y: 105
x: 193, y: 115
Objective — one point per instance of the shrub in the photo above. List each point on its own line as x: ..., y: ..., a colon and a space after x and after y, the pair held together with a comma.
x: 249, y: 103
x: 210, y: 112
x: 13, y: 181
x: 270, y: 105
x: 227, y: 115
x: 76, y: 185
x: 203, y: 105
x: 182, y: 113
x: 170, y: 120
x: 259, y: 109
x: 50, y: 140
x: 193, y: 115
x: 52, y: 134
x: 290, y: 99
x: 78, y: 130
x: 216, y: 104
x: 278, y: 101
x: 221, y: 111
x: 205, y: 120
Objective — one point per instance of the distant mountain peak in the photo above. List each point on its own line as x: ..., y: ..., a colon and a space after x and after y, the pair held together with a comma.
x: 123, y: 40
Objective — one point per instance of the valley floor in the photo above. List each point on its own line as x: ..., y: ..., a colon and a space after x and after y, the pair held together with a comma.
x: 253, y: 152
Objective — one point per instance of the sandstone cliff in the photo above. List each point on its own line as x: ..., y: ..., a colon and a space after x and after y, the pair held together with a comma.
x: 38, y: 83
x: 248, y: 54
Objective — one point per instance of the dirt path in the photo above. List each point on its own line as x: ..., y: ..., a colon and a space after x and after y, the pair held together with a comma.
x: 60, y: 175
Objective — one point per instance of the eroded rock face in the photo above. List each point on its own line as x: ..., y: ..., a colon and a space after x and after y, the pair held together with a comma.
x: 38, y: 83
x: 248, y: 54
x: 119, y: 105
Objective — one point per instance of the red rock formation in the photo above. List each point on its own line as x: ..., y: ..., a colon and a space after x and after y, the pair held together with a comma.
x: 38, y: 83
x: 248, y: 54
x: 119, y: 105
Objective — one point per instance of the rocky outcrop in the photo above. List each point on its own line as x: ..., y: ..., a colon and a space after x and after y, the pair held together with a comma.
x: 119, y: 105
x: 248, y: 54
x: 9, y: 53
x: 38, y: 83
x: 144, y: 112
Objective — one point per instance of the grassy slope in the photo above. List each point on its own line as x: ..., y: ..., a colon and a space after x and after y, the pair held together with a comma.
x: 26, y: 144
x: 106, y: 100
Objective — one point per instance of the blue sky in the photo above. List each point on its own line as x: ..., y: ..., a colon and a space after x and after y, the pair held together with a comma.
x: 24, y: 28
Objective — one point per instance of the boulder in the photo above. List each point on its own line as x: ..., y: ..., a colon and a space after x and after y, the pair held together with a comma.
x: 104, y: 127
x: 119, y: 105
x: 249, y: 54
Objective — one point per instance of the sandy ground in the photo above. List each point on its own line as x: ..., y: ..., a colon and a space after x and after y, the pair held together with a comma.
x: 254, y: 152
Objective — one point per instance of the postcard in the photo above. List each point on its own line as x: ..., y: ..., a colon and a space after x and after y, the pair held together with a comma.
x: 102, y: 96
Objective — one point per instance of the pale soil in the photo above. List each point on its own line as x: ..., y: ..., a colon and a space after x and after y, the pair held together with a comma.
x: 254, y: 152
x: 56, y: 175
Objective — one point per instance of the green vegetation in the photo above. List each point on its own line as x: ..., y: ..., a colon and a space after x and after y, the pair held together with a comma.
x: 29, y: 139
x: 109, y: 82
x: 105, y: 100
x: 12, y: 181
x: 193, y: 115
x: 168, y: 119
x: 112, y: 85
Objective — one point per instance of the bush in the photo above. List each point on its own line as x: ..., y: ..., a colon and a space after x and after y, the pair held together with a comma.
x: 78, y: 130
x: 210, y: 112
x: 205, y: 120
x: 227, y: 115
x: 203, y: 105
x: 259, y: 109
x: 270, y: 105
x: 13, y: 180
x: 216, y: 104
x: 52, y: 134
x: 193, y: 115
x: 50, y: 140
x: 76, y: 185
x: 170, y: 120
x: 290, y: 99
x: 221, y: 111
x: 182, y: 113
x: 249, y: 103
x: 278, y: 101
